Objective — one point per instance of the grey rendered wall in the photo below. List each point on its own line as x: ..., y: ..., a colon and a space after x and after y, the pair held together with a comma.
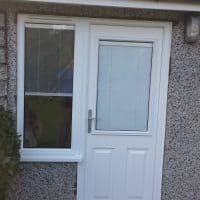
x: 181, y: 172
x: 3, y: 60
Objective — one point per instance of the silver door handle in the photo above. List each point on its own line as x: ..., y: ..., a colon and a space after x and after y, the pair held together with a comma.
x: 90, y: 119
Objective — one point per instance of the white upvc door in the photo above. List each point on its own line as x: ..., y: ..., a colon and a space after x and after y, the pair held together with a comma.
x: 127, y: 92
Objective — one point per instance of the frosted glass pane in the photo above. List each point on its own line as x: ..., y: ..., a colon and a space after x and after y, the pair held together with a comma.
x: 123, y: 86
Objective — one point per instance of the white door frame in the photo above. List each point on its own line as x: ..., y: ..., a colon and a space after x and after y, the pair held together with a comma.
x: 162, y: 104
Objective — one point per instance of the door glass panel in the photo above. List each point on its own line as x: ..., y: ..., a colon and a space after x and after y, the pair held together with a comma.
x: 49, y: 63
x: 124, y: 72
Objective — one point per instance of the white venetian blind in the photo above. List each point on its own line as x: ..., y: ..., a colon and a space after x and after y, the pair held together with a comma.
x: 123, y: 86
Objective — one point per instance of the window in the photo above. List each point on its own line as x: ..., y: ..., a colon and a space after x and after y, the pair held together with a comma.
x: 124, y: 70
x: 46, y: 63
x: 49, y: 58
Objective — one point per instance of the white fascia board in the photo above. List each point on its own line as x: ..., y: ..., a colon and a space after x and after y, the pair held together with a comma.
x: 195, y: 7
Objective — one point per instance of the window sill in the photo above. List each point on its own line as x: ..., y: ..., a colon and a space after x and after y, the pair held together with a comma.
x: 49, y: 155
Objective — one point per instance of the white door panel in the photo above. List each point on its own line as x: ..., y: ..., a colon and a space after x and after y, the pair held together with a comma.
x: 120, y: 170
x: 125, y: 85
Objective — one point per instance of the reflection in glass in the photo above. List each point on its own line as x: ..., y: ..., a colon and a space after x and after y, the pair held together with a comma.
x: 49, y: 60
x: 49, y: 55
x: 48, y: 121
x: 123, y: 86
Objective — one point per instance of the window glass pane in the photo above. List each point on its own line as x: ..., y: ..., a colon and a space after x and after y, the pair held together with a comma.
x: 49, y: 58
x: 47, y: 122
x: 123, y: 86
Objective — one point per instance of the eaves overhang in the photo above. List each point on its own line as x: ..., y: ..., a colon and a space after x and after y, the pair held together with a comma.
x: 179, y: 5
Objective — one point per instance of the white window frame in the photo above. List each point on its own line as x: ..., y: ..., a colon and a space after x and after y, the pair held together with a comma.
x: 80, y: 81
x: 74, y: 154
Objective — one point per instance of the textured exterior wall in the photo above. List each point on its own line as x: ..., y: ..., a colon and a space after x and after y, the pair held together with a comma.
x: 181, y: 173
x: 3, y: 60
x: 181, y: 177
x: 42, y: 181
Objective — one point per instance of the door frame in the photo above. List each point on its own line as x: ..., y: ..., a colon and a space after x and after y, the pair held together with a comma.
x: 162, y: 104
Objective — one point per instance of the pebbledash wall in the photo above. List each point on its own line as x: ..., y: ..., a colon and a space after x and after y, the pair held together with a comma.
x: 181, y: 172
x: 3, y: 60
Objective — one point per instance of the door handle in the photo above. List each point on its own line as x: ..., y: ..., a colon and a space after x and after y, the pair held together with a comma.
x: 90, y: 119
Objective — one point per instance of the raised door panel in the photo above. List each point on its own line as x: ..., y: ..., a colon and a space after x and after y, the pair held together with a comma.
x: 135, y: 173
x: 101, y: 179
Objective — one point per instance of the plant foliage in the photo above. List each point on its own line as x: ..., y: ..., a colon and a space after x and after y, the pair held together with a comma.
x: 9, y: 150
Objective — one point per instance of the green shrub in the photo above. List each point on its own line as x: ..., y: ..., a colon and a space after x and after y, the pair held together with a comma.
x: 9, y: 150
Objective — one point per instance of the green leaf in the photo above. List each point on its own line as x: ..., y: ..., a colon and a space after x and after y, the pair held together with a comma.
x: 9, y: 150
